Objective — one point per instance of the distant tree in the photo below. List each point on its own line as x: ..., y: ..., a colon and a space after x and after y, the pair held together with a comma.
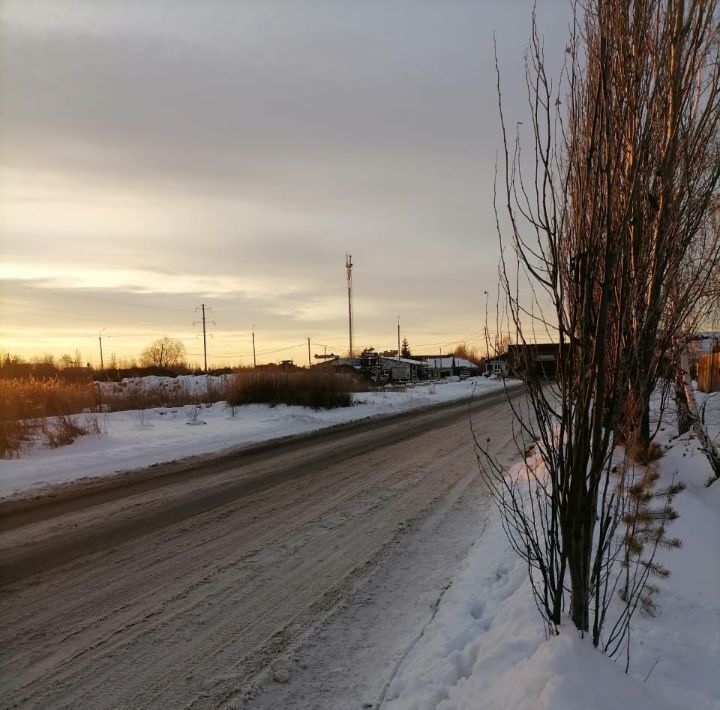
x: 405, y: 348
x: 474, y: 354
x: 67, y: 360
x: 46, y: 359
x: 164, y: 352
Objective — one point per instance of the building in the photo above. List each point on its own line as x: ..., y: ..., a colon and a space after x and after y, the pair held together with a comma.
x: 497, y: 367
x: 445, y: 366
x: 384, y: 369
x: 538, y: 359
x: 400, y: 369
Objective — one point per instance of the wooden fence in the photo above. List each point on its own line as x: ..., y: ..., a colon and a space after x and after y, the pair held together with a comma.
x: 708, y: 368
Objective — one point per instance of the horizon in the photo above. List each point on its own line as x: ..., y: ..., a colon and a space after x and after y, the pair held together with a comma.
x: 155, y: 158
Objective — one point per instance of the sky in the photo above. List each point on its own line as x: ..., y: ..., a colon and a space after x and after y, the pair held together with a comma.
x: 156, y: 156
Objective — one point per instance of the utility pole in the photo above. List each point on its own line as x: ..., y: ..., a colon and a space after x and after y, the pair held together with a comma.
x: 398, y: 337
x: 348, y: 278
x: 102, y: 364
x: 253, y: 341
x: 309, y: 360
x: 204, y: 338
x: 204, y: 328
x: 487, y: 334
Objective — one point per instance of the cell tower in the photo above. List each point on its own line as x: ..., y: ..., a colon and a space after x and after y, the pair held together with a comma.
x: 348, y: 278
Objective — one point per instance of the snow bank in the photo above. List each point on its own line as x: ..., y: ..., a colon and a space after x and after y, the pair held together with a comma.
x: 486, y: 648
x: 709, y: 406
x: 192, y: 384
x: 134, y: 439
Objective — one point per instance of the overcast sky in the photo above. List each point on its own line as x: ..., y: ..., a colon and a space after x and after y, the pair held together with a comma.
x: 159, y: 155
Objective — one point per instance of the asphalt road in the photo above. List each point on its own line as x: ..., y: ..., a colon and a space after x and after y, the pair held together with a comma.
x: 180, y: 586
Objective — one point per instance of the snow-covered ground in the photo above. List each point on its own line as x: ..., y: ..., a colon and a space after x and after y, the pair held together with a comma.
x: 486, y: 647
x: 709, y: 408
x: 138, y: 438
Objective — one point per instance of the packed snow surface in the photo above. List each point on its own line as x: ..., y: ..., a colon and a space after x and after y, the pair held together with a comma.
x: 486, y: 648
x: 138, y: 438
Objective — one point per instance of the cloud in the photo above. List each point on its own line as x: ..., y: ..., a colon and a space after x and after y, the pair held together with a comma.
x: 172, y: 152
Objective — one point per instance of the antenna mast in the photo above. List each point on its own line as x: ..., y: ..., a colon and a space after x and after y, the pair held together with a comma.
x: 348, y: 278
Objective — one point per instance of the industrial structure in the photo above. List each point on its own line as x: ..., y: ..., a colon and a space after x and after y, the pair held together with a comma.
x: 348, y: 278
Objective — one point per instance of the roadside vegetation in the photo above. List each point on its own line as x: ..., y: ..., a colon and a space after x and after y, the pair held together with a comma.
x: 315, y: 389
x: 54, y: 411
x: 53, y: 401
x: 615, y: 226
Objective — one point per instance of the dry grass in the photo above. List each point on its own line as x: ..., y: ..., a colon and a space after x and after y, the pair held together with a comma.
x: 15, y: 436
x: 35, y: 398
x: 38, y: 398
x: 317, y: 390
x: 645, y: 454
x: 44, y: 409
x: 28, y: 408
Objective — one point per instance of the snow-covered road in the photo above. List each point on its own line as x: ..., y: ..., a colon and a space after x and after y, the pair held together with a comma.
x: 168, y: 609
x: 139, y: 438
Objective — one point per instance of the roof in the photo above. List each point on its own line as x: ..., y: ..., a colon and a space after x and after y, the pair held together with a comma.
x: 533, y: 347
x: 443, y: 362
x: 406, y: 360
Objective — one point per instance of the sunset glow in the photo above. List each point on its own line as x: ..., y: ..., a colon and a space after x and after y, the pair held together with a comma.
x: 155, y: 157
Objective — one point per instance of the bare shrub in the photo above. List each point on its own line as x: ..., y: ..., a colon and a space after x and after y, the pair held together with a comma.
x: 15, y: 435
x: 61, y: 431
x: 613, y: 237
x: 192, y: 412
